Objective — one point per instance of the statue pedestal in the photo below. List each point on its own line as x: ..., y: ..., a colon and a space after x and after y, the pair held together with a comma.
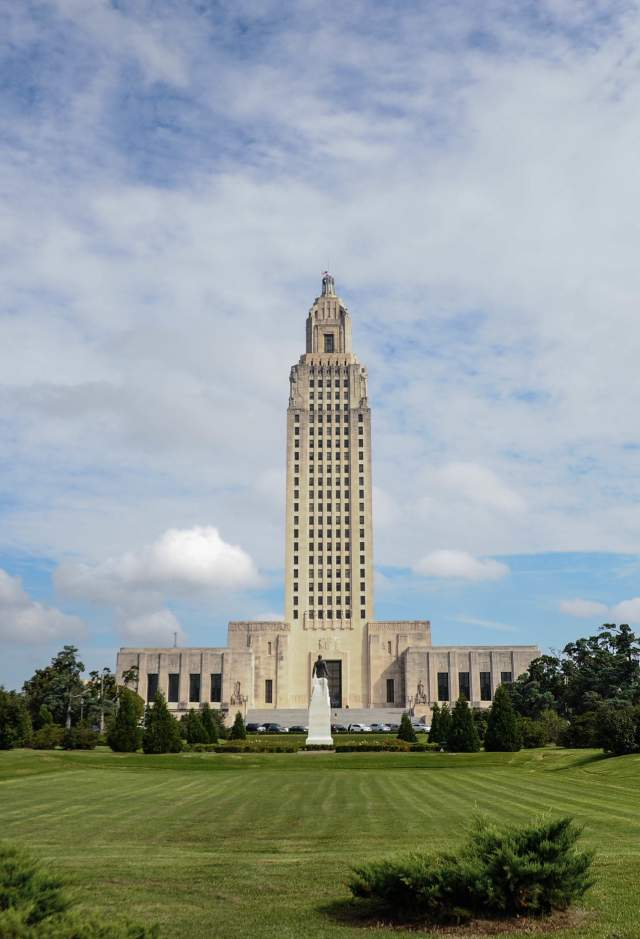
x: 320, y: 713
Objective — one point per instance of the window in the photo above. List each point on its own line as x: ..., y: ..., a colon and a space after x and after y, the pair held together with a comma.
x: 485, y: 686
x: 194, y: 688
x: 174, y: 688
x: 506, y: 678
x: 389, y: 647
x: 391, y: 690
x: 328, y: 342
x: 269, y: 648
x: 268, y: 691
x: 152, y: 685
x: 216, y: 686
x: 443, y: 686
x: 295, y: 614
x: 363, y: 614
x: 464, y: 685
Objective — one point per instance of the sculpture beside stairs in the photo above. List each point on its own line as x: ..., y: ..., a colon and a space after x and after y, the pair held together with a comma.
x: 319, y: 732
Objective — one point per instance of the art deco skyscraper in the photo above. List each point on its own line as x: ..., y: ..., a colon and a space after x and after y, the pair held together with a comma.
x: 329, y: 549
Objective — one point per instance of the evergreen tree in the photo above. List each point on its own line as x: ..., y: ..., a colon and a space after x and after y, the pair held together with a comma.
x: 58, y: 686
x: 15, y: 721
x: 444, y: 724
x: 462, y: 736
x: 124, y: 735
x: 194, y: 729
x: 238, y: 731
x: 503, y: 731
x: 434, y: 730
x: 406, y: 731
x: 209, y: 724
x: 161, y: 731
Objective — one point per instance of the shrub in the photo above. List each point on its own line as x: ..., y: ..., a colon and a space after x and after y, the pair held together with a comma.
x: 161, y: 730
x: 481, y: 720
x: 520, y: 871
x: 532, y: 733
x: 80, y: 737
x: 238, y: 731
x: 374, y: 746
x: 406, y: 731
x: 554, y: 725
x: 33, y: 904
x: 462, y: 736
x: 15, y: 721
x: 503, y: 732
x: 124, y: 735
x: 48, y: 737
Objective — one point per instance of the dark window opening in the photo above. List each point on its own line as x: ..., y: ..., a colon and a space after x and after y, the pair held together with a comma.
x: 268, y: 691
x: 464, y: 685
x: 506, y: 678
x: 328, y: 342
x: 174, y: 687
x: 194, y: 688
x: 152, y: 685
x: 391, y: 691
x: 216, y: 686
x: 485, y: 686
x: 443, y: 686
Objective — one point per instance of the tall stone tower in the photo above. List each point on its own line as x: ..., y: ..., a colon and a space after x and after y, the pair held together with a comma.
x: 329, y: 544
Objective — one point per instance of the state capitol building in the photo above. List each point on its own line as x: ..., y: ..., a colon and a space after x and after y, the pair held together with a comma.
x: 329, y: 602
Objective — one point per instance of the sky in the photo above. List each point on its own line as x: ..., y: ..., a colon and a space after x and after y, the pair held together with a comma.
x: 175, y: 175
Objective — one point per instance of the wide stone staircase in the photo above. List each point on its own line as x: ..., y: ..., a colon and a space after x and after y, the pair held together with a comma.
x: 288, y: 717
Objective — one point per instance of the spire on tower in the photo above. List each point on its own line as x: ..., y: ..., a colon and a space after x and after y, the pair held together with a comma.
x: 328, y: 285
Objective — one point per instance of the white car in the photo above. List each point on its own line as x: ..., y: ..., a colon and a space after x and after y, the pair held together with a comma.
x: 380, y: 728
x: 359, y: 729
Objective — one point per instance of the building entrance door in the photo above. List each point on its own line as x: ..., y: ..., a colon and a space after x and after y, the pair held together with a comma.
x: 334, y: 667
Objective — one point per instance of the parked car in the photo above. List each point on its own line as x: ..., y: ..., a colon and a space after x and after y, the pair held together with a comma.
x: 273, y: 728
x: 298, y: 729
x: 339, y: 729
x: 394, y: 728
x: 380, y: 728
x: 419, y: 727
x: 359, y: 729
x: 255, y: 728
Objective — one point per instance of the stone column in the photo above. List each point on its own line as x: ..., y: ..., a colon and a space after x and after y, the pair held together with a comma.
x: 454, y: 684
x: 474, y: 678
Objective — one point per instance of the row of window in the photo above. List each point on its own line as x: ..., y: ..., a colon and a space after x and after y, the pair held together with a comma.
x: 328, y: 469
x: 464, y: 684
x: 312, y: 417
x: 319, y: 614
x: 173, y: 687
x: 327, y: 405
x: 327, y: 384
x: 312, y: 395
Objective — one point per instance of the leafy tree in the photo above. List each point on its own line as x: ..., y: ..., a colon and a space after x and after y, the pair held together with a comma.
x: 434, y: 730
x: 15, y: 721
x: 238, y: 731
x: 193, y: 729
x: 619, y: 728
x: 553, y: 725
x: 35, y: 905
x: 161, y: 730
x: 532, y: 733
x: 406, y: 731
x: 582, y: 731
x: 540, y: 687
x: 462, y: 736
x: 125, y: 734
x: 209, y: 724
x: 444, y: 725
x: 100, y: 697
x: 503, y: 732
x: 44, y: 716
x: 58, y: 687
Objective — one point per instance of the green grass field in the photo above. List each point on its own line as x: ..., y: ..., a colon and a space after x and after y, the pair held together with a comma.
x: 212, y: 845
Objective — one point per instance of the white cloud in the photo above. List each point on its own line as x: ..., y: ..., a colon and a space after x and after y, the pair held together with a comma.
x: 584, y: 609
x: 23, y: 620
x: 627, y: 611
x: 460, y: 565
x: 180, y: 561
x: 478, y: 484
x: 157, y: 628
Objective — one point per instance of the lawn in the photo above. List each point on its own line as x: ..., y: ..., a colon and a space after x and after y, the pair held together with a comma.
x: 212, y: 845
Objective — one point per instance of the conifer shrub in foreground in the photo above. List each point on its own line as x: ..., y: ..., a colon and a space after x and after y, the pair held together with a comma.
x: 462, y: 736
x: 34, y: 905
x: 434, y: 730
x: 124, y: 735
x: 529, y: 870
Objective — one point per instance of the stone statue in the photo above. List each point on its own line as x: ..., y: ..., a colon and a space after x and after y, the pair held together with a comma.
x: 320, y: 706
x: 320, y: 668
x: 421, y: 697
x: 235, y: 697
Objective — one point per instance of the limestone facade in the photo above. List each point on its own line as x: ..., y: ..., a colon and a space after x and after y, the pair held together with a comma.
x: 329, y: 602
